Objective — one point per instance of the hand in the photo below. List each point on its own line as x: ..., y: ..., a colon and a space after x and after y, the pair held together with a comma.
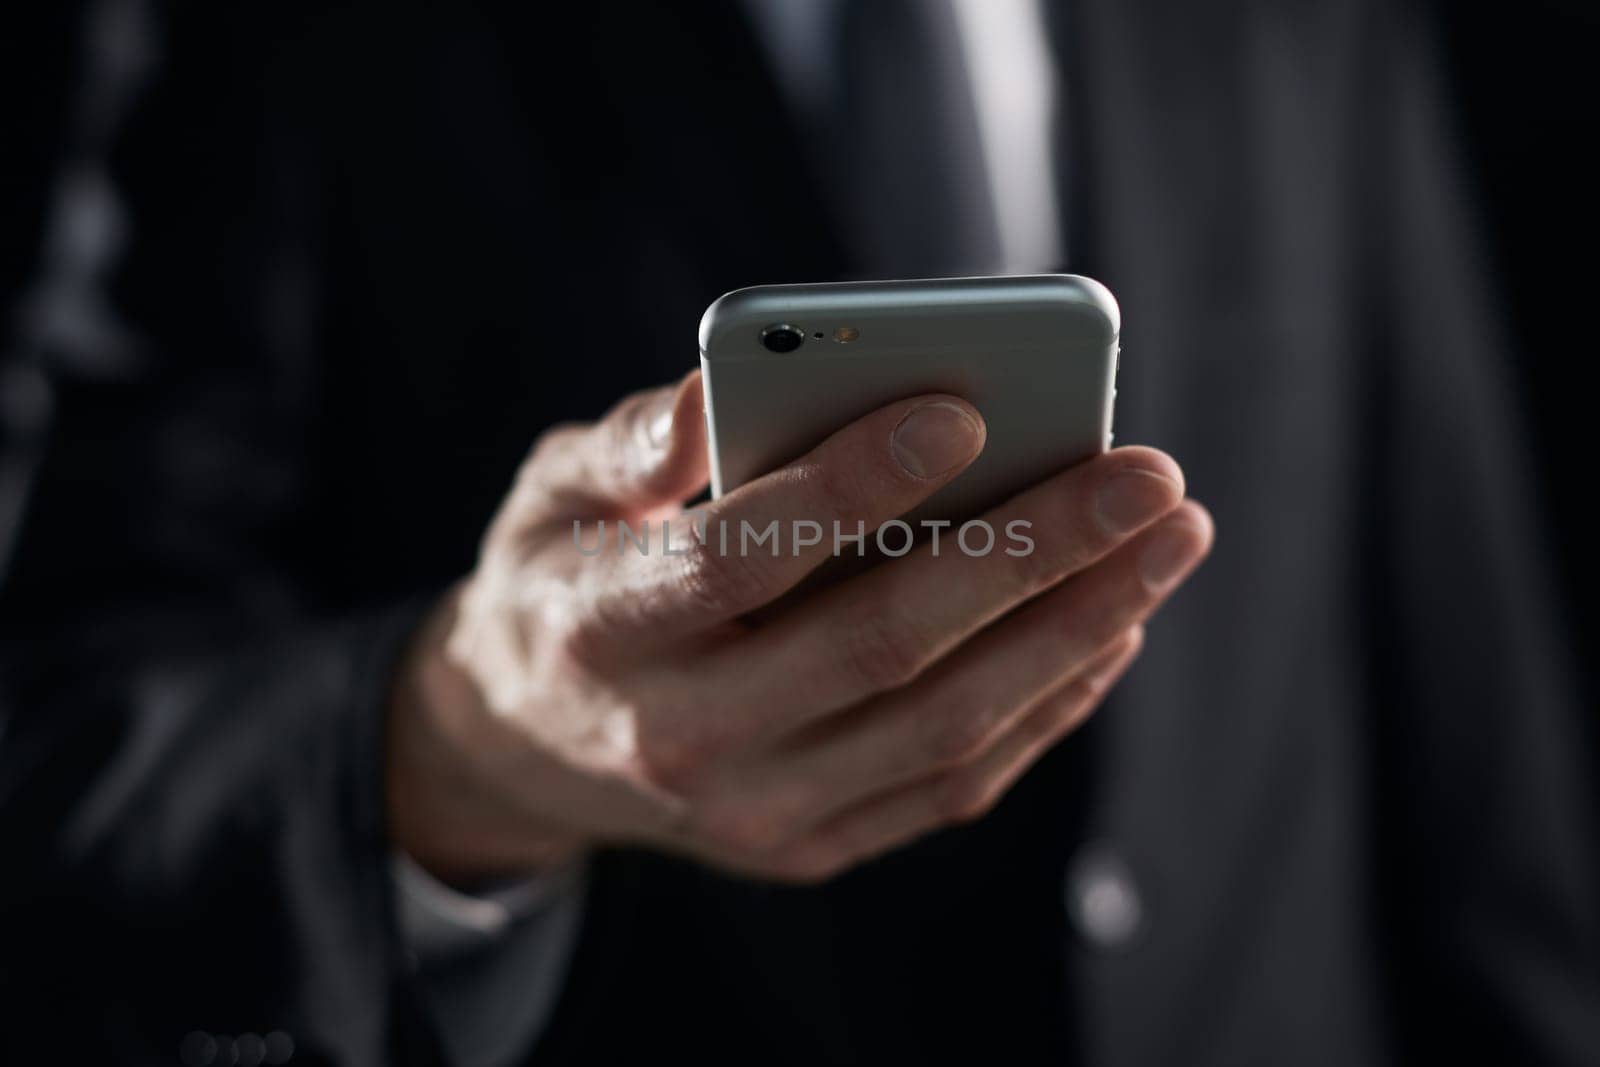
x: 557, y: 700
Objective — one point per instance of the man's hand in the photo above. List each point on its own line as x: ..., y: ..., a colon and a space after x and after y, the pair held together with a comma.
x: 558, y: 699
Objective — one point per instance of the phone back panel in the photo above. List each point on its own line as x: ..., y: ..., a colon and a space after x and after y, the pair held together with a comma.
x: 1036, y: 355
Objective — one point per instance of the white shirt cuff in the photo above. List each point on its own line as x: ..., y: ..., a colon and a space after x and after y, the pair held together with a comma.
x: 492, y: 963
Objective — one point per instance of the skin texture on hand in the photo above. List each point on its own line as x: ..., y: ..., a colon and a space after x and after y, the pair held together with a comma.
x: 557, y: 700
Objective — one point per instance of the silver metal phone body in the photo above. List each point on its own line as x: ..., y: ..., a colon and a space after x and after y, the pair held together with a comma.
x: 1036, y: 354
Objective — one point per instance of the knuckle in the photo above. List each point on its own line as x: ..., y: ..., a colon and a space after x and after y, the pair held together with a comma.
x: 723, y: 584
x: 1050, y: 721
x: 1079, y: 699
x: 1060, y: 550
x: 1068, y: 538
x: 790, y: 807
x: 1040, y: 569
x: 950, y: 740
x: 882, y: 651
x: 675, y: 760
x: 740, y: 828
x: 812, y: 864
x: 963, y: 798
x: 837, y: 490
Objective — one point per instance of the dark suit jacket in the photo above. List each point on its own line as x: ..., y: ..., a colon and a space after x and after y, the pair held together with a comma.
x: 371, y: 250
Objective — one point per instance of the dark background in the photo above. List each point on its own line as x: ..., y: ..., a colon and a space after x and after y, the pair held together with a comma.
x: 1527, y: 75
x: 1525, y: 79
x: 1530, y: 105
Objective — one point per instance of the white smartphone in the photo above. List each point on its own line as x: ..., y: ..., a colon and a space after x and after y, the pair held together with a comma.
x: 787, y: 365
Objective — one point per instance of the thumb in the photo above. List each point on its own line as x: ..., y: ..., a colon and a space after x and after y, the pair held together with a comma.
x: 647, y: 452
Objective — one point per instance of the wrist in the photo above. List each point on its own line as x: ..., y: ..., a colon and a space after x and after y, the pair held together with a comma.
x: 445, y: 812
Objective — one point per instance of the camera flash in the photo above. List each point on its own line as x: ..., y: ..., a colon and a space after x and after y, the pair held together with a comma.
x: 845, y: 334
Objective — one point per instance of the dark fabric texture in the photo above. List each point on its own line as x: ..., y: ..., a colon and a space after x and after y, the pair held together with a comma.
x: 372, y: 250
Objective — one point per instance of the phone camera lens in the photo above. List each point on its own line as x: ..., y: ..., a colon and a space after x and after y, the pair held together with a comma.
x: 782, y: 338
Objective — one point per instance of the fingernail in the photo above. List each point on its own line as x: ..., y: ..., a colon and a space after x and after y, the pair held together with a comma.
x: 935, y: 438
x: 1132, y: 498
x: 1172, y: 552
